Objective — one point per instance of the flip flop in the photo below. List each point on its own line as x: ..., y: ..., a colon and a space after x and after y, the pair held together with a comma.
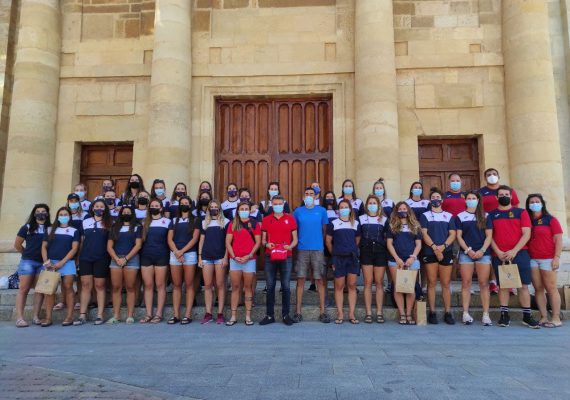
x: 146, y: 319
x: 231, y: 322
x: 67, y: 323
x: 354, y: 321
x: 339, y: 321
x: 45, y: 324
x: 58, y: 306
x: 403, y: 320
x: 547, y: 324
x: 249, y: 322
x: 36, y: 321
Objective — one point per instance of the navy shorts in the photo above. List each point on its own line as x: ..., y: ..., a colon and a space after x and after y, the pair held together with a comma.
x: 99, y: 268
x: 373, y: 256
x: 345, y: 265
x: 432, y: 259
x: 522, y: 260
x: 160, y: 260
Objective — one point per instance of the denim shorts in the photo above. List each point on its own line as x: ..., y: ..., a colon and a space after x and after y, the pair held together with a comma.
x: 190, y: 258
x: 29, y: 267
x: 133, y: 263
x: 211, y: 262
x: 465, y: 259
x: 414, y: 267
x: 249, y: 267
x: 67, y: 269
x: 545, y: 264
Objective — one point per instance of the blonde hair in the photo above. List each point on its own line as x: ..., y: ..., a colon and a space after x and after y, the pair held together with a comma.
x: 396, y: 222
x: 219, y: 218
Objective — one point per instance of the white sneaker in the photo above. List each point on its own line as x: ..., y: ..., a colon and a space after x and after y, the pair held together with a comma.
x: 467, y: 319
x: 486, y: 320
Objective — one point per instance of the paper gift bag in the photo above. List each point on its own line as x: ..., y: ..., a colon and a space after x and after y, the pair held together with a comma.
x: 406, y: 281
x: 567, y: 297
x: 421, y: 312
x: 509, y: 277
x: 47, y: 282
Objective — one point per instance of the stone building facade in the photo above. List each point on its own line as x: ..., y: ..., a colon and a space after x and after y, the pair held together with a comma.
x: 399, y: 74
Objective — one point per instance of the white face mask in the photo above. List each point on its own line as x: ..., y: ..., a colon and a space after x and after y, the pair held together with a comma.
x: 492, y: 179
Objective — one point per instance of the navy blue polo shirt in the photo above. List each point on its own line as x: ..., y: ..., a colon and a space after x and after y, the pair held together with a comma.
x: 418, y: 207
x: 62, y: 242
x: 77, y: 220
x: 373, y: 229
x: 438, y: 225
x: 387, y: 206
x: 184, y: 230
x: 33, y: 249
x: 344, y: 236
x: 214, y: 246
x: 228, y: 206
x: 95, y: 237
x: 357, y: 205
x: 474, y: 237
x: 404, y: 242
x: 332, y: 215
x: 126, y: 239
x: 155, y: 242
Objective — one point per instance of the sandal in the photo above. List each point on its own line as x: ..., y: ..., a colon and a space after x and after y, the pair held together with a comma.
x: 81, y: 320
x: 354, y: 321
x: 339, y: 321
x: 173, y: 320
x: 410, y: 320
x: 368, y: 319
x: 67, y: 323
x: 249, y: 322
x: 46, y: 323
x: 59, y: 306
x: 130, y: 321
x: 231, y: 322
x: 547, y: 324
x: 185, y: 321
x: 403, y: 320
x: 21, y: 324
x: 112, y: 321
x: 146, y: 319
x: 98, y: 321
x: 156, y: 320
x: 380, y: 318
x: 36, y: 321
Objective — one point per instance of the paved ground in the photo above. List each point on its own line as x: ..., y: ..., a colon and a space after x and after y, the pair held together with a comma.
x: 309, y: 360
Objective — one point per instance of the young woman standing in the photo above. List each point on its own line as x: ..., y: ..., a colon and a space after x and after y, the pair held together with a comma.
x: 132, y: 190
x: 349, y: 194
x: 231, y: 202
x: 416, y: 201
x: 77, y: 212
x: 265, y: 205
x: 141, y: 203
x: 379, y: 190
x: 179, y: 191
x: 158, y: 191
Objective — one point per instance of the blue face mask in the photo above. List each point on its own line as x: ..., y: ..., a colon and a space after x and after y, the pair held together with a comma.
x: 417, y: 192
x: 309, y: 201
x: 535, y: 207
x: 455, y: 186
x: 278, y: 208
x: 348, y: 190
x: 379, y: 192
x: 80, y: 194
x: 317, y: 190
x: 63, y: 219
x: 344, y: 212
x: 159, y: 192
x: 471, y: 203
x: 74, y: 206
x: 372, y: 208
x: 244, y: 214
x: 273, y: 193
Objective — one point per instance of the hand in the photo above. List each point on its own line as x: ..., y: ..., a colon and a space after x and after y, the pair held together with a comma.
x: 254, y: 208
x: 47, y: 264
x: 410, y: 261
x: 471, y: 254
x: 441, y: 248
x: 270, y: 245
x: 287, y: 247
x: 180, y: 259
x: 400, y: 263
x: 439, y: 255
x: 178, y: 254
x: 555, y: 263
x: 224, y: 262
x: 57, y: 266
x: 200, y: 262
x: 501, y: 255
x: 333, y: 267
x: 478, y: 254
x: 510, y: 255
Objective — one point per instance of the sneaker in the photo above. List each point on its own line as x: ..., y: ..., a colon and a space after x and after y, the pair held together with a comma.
x: 388, y: 288
x: 467, y: 319
x: 486, y: 320
x: 287, y: 320
x: 220, y: 319
x: 207, y: 319
x: 312, y: 288
x: 264, y: 289
x: 267, y: 320
x: 448, y: 318
x: 505, y: 320
x: 493, y: 288
x: 297, y: 318
x: 432, y: 318
x: 529, y: 321
x: 324, y: 318
x: 513, y: 292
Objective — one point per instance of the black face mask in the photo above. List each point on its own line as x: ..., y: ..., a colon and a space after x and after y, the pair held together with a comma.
x: 205, y: 190
x: 504, y: 201
x: 154, y: 211
x: 41, y: 216
x: 184, y: 208
x: 110, y: 201
x: 436, y: 203
x: 244, y: 200
x: 329, y: 202
x: 232, y: 193
x: 214, y: 212
x: 204, y: 202
x: 143, y: 201
x: 135, y: 185
x: 107, y: 188
x: 402, y: 214
x: 180, y: 194
x: 127, y: 217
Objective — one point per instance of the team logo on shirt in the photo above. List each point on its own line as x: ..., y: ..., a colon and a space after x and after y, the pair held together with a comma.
x: 539, y: 222
x: 511, y: 215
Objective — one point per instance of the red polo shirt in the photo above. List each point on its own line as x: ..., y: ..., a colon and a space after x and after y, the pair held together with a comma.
x: 279, y: 230
x: 490, y: 201
x: 242, y: 242
x: 507, y: 226
x: 541, y: 245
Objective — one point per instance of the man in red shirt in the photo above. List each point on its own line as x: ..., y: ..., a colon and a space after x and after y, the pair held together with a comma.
x: 511, y: 232
x: 454, y: 199
x: 279, y: 235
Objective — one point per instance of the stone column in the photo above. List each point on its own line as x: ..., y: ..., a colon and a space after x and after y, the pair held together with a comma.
x: 168, y: 141
x: 376, y: 139
x: 532, y: 125
x: 33, y: 114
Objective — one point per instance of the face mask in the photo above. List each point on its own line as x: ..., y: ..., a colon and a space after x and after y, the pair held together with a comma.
x: 317, y: 190
x: 329, y: 202
x: 455, y: 186
x: 344, y: 212
x: 243, y: 214
x: 379, y: 192
x: 309, y: 201
x: 184, y: 208
x: 110, y: 201
x: 63, y: 219
x: 135, y: 185
x: 273, y: 193
x: 159, y: 192
x: 154, y: 211
x: 98, y: 212
x: 180, y: 194
x: 214, y: 212
x: 436, y: 203
x: 244, y: 200
x: 74, y: 206
x: 80, y: 194
x: 107, y: 188
x: 535, y: 207
x: 504, y: 201
x: 126, y: 217
x: 143, y: 201
x: 232, y: 193
x: 402, y: 214
x: 471, y: 203
x: 372, y: 208
x: 492, y: 179
x: 278, y: 209
x: 204, y: 190
x: 348, y: 190
x: 417, y: 192
x: 204, y: 202
x: 41, y: 216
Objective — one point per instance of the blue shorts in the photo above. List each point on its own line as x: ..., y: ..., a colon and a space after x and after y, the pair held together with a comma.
x: 249, y: 267
x: 29, y: 267
x: 190, y: 258
x: 414, y: 267
x: 67, y: 269
x: 133, y: 263
x: 210, y: 262
x: 345, y: 265
x: 523, y: 263
x: 465, y: 259
x: 545, y: 264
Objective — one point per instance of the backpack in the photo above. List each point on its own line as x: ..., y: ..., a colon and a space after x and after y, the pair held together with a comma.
x: 14, y: 281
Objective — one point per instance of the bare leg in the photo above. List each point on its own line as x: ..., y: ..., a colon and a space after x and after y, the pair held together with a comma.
x: 176, y: 273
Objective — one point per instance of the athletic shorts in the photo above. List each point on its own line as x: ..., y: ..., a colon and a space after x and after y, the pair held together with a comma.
x: 431, y: 259
x: 160, y: 260
x: 311, y: 259
x: 99, y: 268
x: 377, y: 258
x: 522, y: 260
x: 414, y: 267
x: 345, y: 265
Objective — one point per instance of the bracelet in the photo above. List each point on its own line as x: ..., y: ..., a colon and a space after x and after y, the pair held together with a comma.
x: 467, y: 251
x: 433, y: 244
x: 46, y: 263
x: 413, y: 256
x: 445, y: 245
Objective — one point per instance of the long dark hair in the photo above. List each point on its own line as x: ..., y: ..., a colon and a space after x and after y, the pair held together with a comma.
x: 32, y: 223
x: 127, y: 194
x: 211, y: 191
x: 237, y: 223
x: 544, y: 211
x: 152, y: 191
x: 116, y: 229
x: 106, y: 219
x: 173, y: 197
x: 56, y: 223
x: 353, y: 190
x: 149, y: 217
x: 412, y: 186
x: 479, y: 212
x: 334, y: 205
x: 191, y: 218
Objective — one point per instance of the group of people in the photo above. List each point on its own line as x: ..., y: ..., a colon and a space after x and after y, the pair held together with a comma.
x: 143, y: 238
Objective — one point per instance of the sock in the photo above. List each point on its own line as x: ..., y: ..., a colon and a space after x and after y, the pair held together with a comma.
x: 526, y: 312
x: 493, y: 281
x: 505, y: 309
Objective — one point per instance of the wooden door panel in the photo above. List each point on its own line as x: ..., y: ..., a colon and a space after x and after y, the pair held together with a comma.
x: 109, y: 161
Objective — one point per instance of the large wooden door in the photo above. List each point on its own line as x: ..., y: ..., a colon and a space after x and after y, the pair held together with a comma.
x: 263, y: 140
x: 441, y: 157
x: 109, y: 161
